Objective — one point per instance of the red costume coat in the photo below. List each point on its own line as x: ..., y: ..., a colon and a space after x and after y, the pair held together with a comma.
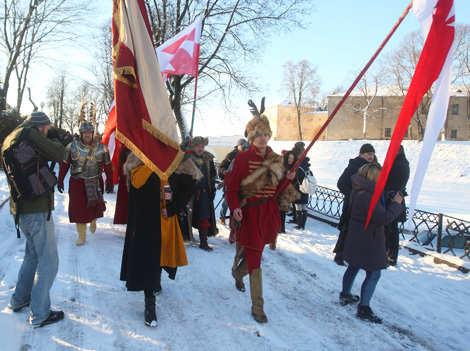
x: 260, y: 223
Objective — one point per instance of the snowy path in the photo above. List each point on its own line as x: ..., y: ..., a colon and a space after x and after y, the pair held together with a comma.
x: 202, y: 310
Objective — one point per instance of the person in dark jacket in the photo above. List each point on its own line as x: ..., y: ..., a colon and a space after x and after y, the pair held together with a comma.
x: 41, y: 260
x: 396, y: 181
x: 289, y: 161
x: 301, y: 204
x: 149, y: 241
x: 365, y: 248
x: 366, y: 155
x: 223, y: 168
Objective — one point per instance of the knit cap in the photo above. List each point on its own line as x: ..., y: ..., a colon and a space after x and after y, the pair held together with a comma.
x: 39, y: 119
x: 366, y: 148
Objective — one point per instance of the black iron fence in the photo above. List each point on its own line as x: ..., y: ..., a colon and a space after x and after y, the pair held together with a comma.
x: 436, y: 231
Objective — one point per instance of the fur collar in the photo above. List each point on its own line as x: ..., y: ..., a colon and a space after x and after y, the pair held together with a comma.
x: 187, y: 166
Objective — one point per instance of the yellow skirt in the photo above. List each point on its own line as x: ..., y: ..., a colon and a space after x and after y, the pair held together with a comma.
x: 173, y: 250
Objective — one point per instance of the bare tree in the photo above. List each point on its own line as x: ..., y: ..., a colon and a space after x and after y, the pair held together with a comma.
x: 302, y: 84
x: 29, y: 25
x: 398, y: 68
x: 234, y: 32
x: 103, y: 72
x: 361, y: 101
x: 56, y: 97
x: 462, y: 56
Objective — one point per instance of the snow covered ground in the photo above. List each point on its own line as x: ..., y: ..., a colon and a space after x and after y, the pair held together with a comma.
x: 423, y: 304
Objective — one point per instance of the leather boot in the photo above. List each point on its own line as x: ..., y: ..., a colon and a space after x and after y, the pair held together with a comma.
x: 203, y: 238
x: 298, y: 215
x: 81, y: 229
x: 240, y: 267
x: 93, y: 226
x: 256, y: 290
x: 304, y: 218
x: 150, y: 316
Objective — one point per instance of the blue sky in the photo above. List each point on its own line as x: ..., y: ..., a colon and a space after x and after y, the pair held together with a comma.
x: 341, y: 38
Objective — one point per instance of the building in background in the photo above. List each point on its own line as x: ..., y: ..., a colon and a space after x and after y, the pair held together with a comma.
x: 373, y: 116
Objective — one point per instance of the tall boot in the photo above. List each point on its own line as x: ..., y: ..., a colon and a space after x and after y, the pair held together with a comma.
x: 298, y: 215
x: 256, y: 290
x: 93, y: 226
x: 238, y: 273
x: 203, y: 238
x: 304, y: 218
x: 240, y: 267
x: 81, y: 229
x: 150, y: 316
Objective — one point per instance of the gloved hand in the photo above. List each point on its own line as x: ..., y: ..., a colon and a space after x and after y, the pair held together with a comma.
x: 60, y: 187
x: 109, y: 188
x: 53, y: 133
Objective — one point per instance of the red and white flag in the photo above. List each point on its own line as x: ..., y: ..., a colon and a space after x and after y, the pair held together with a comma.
x: 109, y: 135
x: 180, y: 54
x: 144, y: 119
x: 437, y: 18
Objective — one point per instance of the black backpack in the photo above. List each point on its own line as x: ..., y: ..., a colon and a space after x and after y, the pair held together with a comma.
x: 27, y: 172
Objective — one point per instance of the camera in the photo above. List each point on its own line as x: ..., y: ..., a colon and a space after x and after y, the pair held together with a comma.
x: 392, y: 193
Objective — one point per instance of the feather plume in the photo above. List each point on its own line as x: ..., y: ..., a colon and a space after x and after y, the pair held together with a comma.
x: 81, y: 117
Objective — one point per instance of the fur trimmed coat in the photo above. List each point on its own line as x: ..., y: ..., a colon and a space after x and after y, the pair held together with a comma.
x: 190, y: 218
x: 140, y: 267
x: 255, y: 178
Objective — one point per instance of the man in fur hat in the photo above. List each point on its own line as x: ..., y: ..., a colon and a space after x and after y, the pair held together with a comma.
x: 202, y: 215
x: 256, y: 178
x: 86, y: 158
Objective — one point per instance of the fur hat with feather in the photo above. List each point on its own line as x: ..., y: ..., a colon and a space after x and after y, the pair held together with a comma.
x: 259, y: 124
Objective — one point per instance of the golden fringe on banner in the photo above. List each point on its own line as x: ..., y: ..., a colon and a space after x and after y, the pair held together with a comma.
x: 161, y: 174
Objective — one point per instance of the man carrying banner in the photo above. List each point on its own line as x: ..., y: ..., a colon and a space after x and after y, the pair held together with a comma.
x: 87, y: 159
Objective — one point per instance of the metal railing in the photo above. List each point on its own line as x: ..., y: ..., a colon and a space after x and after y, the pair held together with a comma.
x: 432, y: 230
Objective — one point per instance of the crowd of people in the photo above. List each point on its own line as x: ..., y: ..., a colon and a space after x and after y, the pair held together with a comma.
x: 261, y: 188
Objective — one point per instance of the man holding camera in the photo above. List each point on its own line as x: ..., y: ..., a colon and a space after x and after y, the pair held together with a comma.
x: 86, y: 158
x: 41, y: 260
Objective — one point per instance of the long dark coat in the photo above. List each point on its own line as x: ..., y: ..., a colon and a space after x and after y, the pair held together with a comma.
x: 398, y: 178
x: 345, y: 185
x: 299, y: 178
x: 366, y: 248
x: 140, y: 266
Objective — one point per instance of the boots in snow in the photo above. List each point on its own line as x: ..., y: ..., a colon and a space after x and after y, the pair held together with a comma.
x: 93, y: 226
x: 365, y: 313
x: 300, y: 220
x: 150, y: 315
x: 238, y: 273
x: 81, y: 229
x: 203, y: 239
x: 256, y: 290
x: 346, y: 299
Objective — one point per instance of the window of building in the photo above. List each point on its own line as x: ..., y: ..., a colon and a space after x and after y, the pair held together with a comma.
x: 453, y: 133
x: 388, y: 132
x: 455, y: 109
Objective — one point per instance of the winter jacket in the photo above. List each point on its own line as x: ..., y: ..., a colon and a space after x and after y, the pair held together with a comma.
x: 366, y: 248
x: 299, y: 178
x: 51, y: 150
x: 397, y: 180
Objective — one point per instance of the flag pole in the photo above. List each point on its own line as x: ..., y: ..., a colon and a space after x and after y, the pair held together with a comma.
x: 194, y: 109
x: 353, y: 85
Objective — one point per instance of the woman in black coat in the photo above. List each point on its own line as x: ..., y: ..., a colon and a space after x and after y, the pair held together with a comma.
x: 365, y: 249
x: 289, y: 161
x: 301, y: 204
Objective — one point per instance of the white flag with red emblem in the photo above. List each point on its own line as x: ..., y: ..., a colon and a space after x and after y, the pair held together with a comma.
x: 437, y: 18
x: 180, y: 54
